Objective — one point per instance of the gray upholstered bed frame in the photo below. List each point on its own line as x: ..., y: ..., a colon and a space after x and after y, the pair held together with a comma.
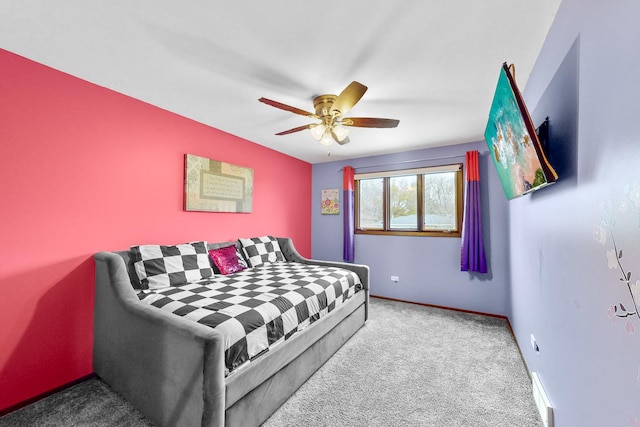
x: 172, y: 369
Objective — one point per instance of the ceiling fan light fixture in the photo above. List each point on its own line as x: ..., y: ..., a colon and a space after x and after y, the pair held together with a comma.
x: 341, y: 133
x: 317, y: 130
x: 326, y: 139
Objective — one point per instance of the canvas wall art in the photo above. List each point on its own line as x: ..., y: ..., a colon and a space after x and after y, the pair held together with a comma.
x: 513, y: 143
x: 214, y: 186
x: 330, y: 202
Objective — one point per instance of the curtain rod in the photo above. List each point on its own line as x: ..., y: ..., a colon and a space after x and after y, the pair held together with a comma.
x: 459, y: 156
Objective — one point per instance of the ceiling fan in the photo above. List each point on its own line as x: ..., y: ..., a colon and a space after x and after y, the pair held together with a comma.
x: 330, y: 110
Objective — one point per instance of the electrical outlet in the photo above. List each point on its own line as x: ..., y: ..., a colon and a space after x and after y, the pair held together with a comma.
x: 534, y: 344
x: 395, y: 279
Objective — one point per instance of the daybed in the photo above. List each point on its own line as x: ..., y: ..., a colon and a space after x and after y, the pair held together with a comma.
x: 173, y: 370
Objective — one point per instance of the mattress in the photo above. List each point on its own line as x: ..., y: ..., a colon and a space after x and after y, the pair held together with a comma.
x: 258, y: 308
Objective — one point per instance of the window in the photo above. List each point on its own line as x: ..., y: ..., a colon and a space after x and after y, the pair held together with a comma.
x: 415, y: 202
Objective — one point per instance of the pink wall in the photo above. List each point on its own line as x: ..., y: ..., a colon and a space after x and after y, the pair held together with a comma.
x: 84, y: 169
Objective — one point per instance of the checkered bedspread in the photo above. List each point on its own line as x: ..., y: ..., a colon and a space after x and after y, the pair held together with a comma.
x: 258, y: 308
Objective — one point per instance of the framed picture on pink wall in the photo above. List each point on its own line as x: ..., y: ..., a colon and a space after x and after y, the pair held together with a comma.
x: 215, y: 186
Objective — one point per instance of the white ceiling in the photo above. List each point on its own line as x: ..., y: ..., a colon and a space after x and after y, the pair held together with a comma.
x: 432, y: 64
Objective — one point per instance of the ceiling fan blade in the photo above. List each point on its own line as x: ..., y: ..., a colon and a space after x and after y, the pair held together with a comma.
x: 370, y: 122
x: 288, y: 108
x: 298, y: 129
x: 348, y: 98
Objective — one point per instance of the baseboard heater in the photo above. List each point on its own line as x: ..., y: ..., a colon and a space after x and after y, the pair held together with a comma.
x: 542, y: 401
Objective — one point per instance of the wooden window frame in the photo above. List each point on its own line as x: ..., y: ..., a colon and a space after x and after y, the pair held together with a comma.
x: 387, y: 230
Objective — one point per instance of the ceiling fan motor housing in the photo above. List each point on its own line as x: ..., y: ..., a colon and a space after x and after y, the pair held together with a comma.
x: 323, y: 103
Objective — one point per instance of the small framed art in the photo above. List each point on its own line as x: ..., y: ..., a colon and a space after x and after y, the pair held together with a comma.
x: 330, y: 202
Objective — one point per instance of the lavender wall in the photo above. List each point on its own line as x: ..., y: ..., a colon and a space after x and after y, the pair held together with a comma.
x: 554, y: 255
x: 428, y: 267
x: 565, y: 272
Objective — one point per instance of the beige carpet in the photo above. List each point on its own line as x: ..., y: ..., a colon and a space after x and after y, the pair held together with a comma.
x: 412, y: 365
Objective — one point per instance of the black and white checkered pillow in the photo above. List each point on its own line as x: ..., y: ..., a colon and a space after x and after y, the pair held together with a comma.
x: 163, y: 266
x: 260, y: 251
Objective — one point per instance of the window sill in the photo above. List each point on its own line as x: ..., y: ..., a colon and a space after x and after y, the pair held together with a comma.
x: 410, y: 233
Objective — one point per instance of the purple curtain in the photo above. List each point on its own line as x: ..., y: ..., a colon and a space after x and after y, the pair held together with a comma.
x: 348, y: 216
x: 472, y: 251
